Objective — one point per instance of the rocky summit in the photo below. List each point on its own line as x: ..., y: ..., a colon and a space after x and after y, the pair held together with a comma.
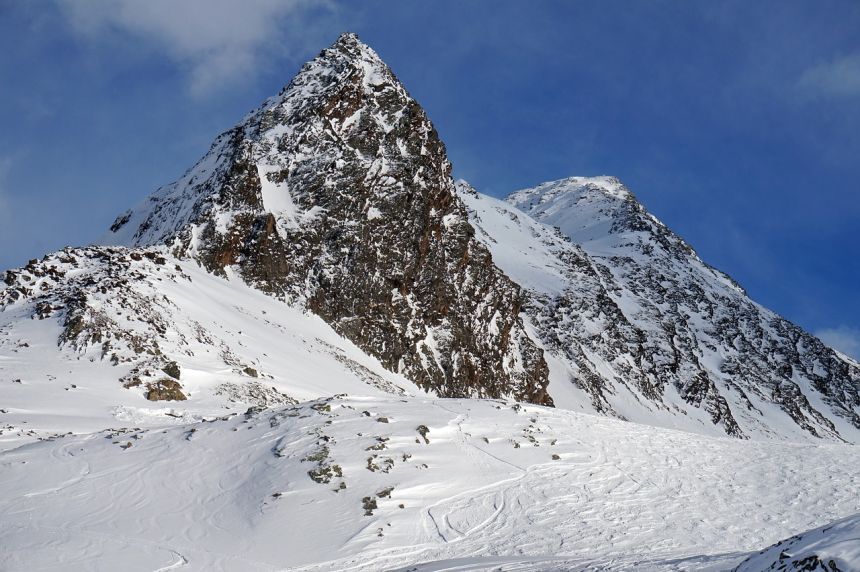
x: 337, y: 195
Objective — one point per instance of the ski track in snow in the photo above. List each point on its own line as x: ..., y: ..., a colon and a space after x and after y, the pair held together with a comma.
x: 235, y: 494
x: 616, y: 501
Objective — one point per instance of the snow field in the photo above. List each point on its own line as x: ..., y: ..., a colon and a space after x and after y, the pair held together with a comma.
x: 319, y: 486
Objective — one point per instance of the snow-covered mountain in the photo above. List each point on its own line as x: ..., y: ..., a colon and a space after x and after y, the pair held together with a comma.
x: 254, y: 370
x: 337, y: 195
x: 644, y: 330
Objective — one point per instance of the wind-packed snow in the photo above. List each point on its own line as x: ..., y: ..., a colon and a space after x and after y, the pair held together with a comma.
x: 276, y: 196
x: 378, y: 483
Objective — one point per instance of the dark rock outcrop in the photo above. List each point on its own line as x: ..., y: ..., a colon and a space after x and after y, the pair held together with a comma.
x: 337, y: 195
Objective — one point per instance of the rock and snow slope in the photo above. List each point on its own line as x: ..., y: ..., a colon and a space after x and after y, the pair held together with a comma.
x: 644, y: 330
x: 86, y: 334
x: 831, y: 548
x: 337, y: 195
x: 380, y: 483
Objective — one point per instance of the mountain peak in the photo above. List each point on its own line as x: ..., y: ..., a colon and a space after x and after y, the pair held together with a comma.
x: 551, y: 191
x: 586, y: 208
x: 348, y: 38
x: 602, y: 215
x: 348, y: 65
x: 336, y: 195
x: 347, y: 85
x: 350, y: 44
x: 348, y: 48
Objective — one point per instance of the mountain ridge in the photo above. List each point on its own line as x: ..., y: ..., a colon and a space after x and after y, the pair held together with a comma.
x: 694, y: 327
x: 636, y: 320
x: 336, y: 197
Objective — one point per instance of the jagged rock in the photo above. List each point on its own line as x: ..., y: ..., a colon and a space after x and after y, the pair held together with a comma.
x: 337, y: 195
x: 172, y: 369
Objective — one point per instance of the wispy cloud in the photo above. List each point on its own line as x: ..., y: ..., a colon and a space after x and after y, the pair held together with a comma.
x: 839, y: 77
x: 842, y: 338
x: 216, y: 40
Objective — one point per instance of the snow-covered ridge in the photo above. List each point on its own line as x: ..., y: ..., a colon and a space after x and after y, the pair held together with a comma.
x: 548, y: 193
x: 87, y: 335
x: 602, y: 215
x: 638, y: 327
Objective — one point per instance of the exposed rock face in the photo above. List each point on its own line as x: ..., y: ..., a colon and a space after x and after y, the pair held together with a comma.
x: 635, y: 310
x: 337, y: 194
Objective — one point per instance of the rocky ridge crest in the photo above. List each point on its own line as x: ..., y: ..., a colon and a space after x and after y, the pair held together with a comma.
x: 337, y: 195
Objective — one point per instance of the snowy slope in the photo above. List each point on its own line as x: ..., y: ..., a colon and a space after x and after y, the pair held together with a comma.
x: 644, y: 330
x: 379, y: 483
x: 565, y: 284
x: 83, y: 333
x: 831, y: 548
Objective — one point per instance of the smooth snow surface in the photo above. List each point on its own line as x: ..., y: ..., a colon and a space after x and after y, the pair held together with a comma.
x: 352, y: 484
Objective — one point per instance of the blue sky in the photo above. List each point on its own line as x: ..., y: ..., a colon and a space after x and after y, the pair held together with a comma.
x: 736, y: 123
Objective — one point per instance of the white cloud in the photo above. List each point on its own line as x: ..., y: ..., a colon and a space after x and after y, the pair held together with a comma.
x: 216, y: 40
x: 842, y: 338
x: 839, y: 77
